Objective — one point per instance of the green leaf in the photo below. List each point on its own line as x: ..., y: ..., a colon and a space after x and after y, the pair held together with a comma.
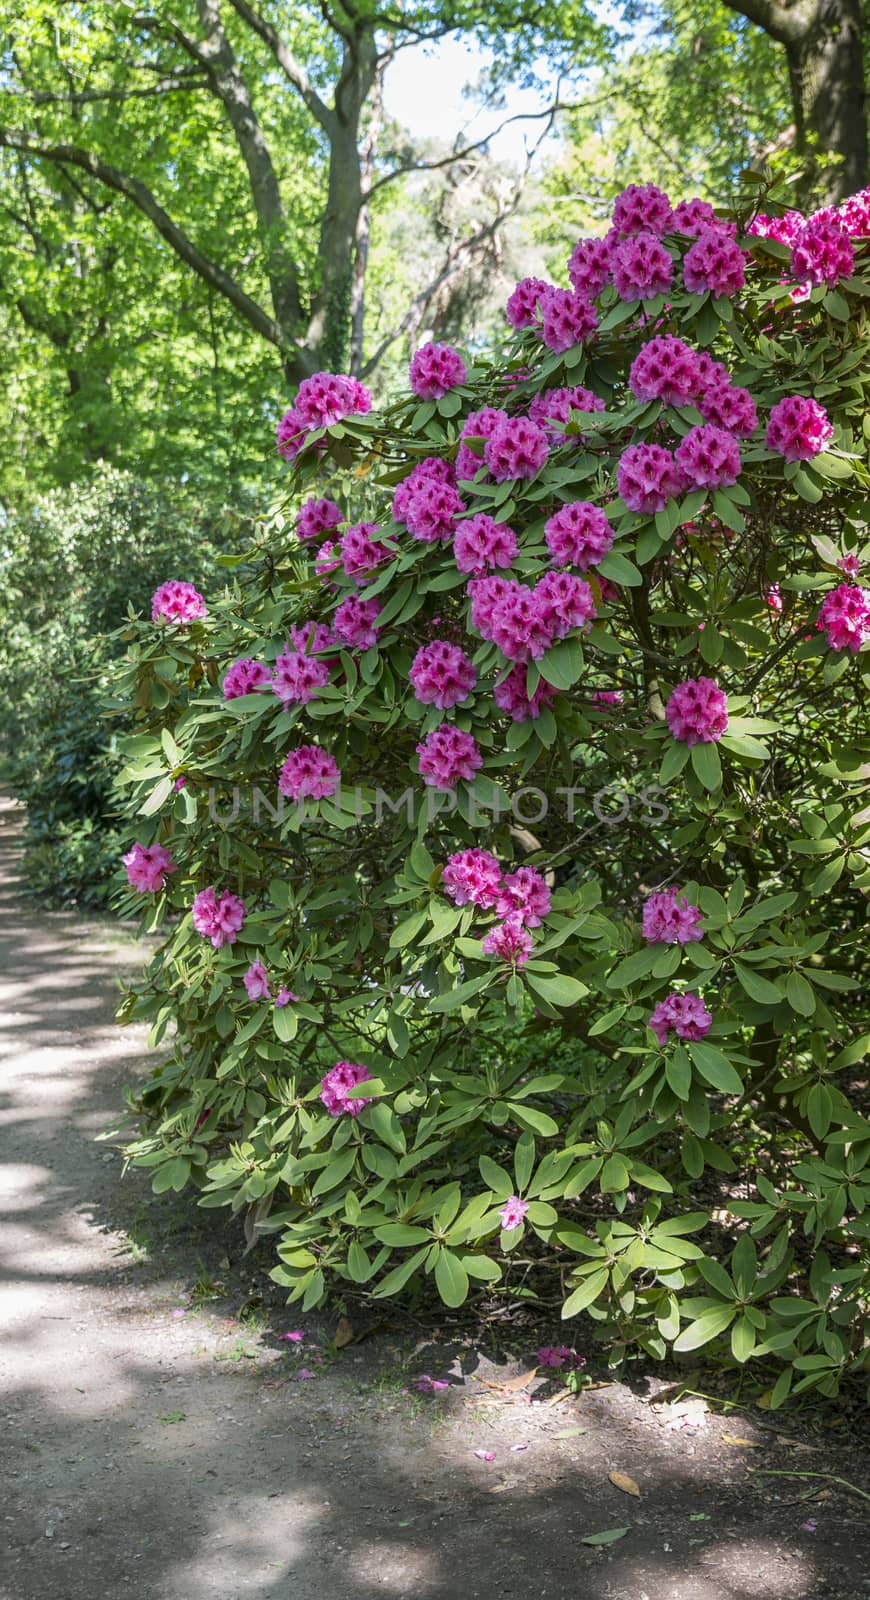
x: 285, y: 1022
x: 707, y: 766
x: 495, y: 1177
x: 559, y: 991
x: 399, y: 1233
x: 633, y: 967
x: 743, y: 1339
x: 620, y: 570
x: 799, y: 994
x: 563, y: 664
x: 334, y: 1172
x: 706, y: 1328
x: 405, y: 932
x: 715, y: 1068
x: 678, y: 1072
x: 358, y: 1263
x: 451, y: 1278
x: 757, y: 987
x: 524, y: 1160
x: 583, y: 1296
x: 158, y: 796
x: 607, y: 1536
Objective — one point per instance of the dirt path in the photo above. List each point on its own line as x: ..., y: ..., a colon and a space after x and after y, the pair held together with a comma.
x: 159, y: 1439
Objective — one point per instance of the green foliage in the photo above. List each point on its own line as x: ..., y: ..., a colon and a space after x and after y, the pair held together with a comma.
x: 704, y: 1194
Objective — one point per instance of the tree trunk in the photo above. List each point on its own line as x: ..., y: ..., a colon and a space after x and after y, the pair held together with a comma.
x: 826, y: 73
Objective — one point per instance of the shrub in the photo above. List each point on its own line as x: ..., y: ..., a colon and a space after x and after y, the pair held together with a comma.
x: 553, y: 971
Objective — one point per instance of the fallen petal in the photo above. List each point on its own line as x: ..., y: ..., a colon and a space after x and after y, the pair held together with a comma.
x: 485, y: 1455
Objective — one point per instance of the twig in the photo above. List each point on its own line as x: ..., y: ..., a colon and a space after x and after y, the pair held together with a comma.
x: 778, y: 1472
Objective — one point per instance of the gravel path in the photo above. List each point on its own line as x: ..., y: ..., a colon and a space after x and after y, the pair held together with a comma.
x: 159, y: 1440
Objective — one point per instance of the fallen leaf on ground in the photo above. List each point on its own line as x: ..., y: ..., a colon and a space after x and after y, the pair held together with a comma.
x: 733, y: 1438
x: 607, y: 1536
x: 174, y: 1416
x: 343, y: 1334
x: 569, y: 1433
x: 511, y: 1385
x: 621, y: 1480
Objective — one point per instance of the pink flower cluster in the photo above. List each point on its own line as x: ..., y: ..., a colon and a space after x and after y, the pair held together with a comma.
x: 432, y: 510
x: 298, y: 676
x: 480, y: 543
x: 148, y: 866
x: 435, y: 369
x: 647, y: 477
x: 354, y: 622
x: 845, y: 617
x: 668, y: 918
x: 218, y: 917
x: 361, y: 553
x: 578, y: 535
x: 665, y: 368
x: 784, y: 229
x: 554, y: 406
x: 708, y: 457
x: 798, y: 428
x: 559, y: 1355
x: 567, y: 318
x: 525, y: 622
x: 643, y: 208
x: 177, y: 602
x: 442, y: 675
x: 714, y: 263
x: 256, y: 981
x: 446, y: 755
x: 512, y: 1212
x: 337, y: 1086
x: 310, y: 638
x: 525, y: 895
x: 685, y: 1013
x: 309, y: 773
x: 641, y: 267
x: 694, y: 217
x: 697, y: 711
x: 472, y: 877
x: 431, y: 469
x: 316, y: 517
x: 512, y: 696
x: 589, y: 265
x: 246, y: 676
x: 478, y: 425
x: 822, y: 252
x: 523, y: 307
x: 516, y: 448
x: 321, y: 401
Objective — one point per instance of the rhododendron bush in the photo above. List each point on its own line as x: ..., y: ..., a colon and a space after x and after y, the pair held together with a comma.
x: 507, y: 817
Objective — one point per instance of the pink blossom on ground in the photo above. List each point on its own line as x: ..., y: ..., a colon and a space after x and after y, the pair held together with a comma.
x: 516, y: 448
x: 305, y: 1372
x: 354, y: 622
x: 559, y: 1355
x: 448, y: 754
x: 317, y: 516
x: 309, y: 638
x: 589, y: 265
x: 715, y: 263
x: 578, y: 535
x: 177, y: 602
x: 564, y: 601
x: 511, y: 695
x: 477, y: 425
x: 510, y: 941
x: 512, y: 1212
x: 648, y: 477
x: 522, y: 309
x: 361, y: 553
x: 697, y: 711
x: 246, y: 676
x: 295, y: 1336
x: 432, y: 511
x: 667, y: 369
x: 708, y: 457
x: 432, y: 468
x: 484, y: 1455
x: 730, y: 407
x: 845, y: 617
x: 442, y: 675
x: 256, y: 981
x: 218, y: 917
x: 337, y: 1085
x: 297, y: 677
x: 435, y: 369
x: 641, y: 267
x: 642, y: 208
x: 685, y: 1013
x: 309, y: 773
x: 822, y: 252
x: 798, y: 428
x: 524, y: 894
x: 554, y: 406
x: 148, y: 866
x: 472, y: 877
x: 668, y: 918
x: 428, y: 1385
x: 567, y: 318
x: 480, y: 543
x: 696, y: 216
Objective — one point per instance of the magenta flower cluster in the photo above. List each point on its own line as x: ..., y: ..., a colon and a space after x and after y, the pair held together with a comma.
x: 258, y: 986
x: 177, y: 602
x: 317, y: 516
x: 798, y: 428
x: 354, y: 622
x: 297, y: 677
x: 148, y: 866
x: 481, y: 544
x: 309, y: 773
x: 668, y: 918
x: 442, y: 675
x: 845, y: 617
x: 447, y: 755
x: 822, y: 252
x: 697, y: 711
x: 246, y: 676
x: 525, y: 622
x: 511, y: 696
x: 686, y: 1014
x: 435, y: 369
x: 218, y: 916
x: 321, y: 401
x: 337, y: 1089
x: 578, y: 535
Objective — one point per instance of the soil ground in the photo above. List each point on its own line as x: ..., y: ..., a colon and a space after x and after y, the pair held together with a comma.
x: 160, y: 1439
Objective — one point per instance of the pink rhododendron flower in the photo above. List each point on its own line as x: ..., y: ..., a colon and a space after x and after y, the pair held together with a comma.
x: 513, y: 618
x: 472, y: 877
x: 442, y: 675
x: 329, y: 397
x: 685, y: 1013
x: 668, y: 918
x: 522, y: 309
x: 822, y: 252
x: 729, y: 407
x: 309, y: 773
x: 648, y: 477
x: 297, y: 677
x: 641, y: 267
x: 295, y: 1336
x: 696, y: 216
x: 317, y: 516
x: 448, y: 754
x: 361, y: 553
x: 484, y: 594
x: 354, y: 622
x: 246, y: 676
x: 148, y: 866
x: 509, y: 941
x: 578, y: 535
x: 310, y: 638
x: 516, y: 448
x: 774, y: 597
x: 428, y: 1385
x: 524, y: 894
x: 642, y: 208
x: 697, y: 711
x: 432, y: 510
x: 477, y: 425
x: 283, y: 997
x: 607, y: 697
x: 435, y: 369
x: 564, y: 602
x: 715, y: 263
x: 328, y: 558
x: 798, y: 428
x: 481, y: 543
x: 558, y: 1355
x: 512, y: 1212
x: 850, y: 564
x: 256, y: 981
x: 708, y: 457
x: 854, y: 213
x: 845, y: 617
x: 785, y: 229
x: 431, y: 469
x: 589, y: 265
x: 554, y: 406
x: 667, y: 369
x: 177, y: 602
x: 511, y: 695
x: 218, y: 917
x: 567, y: 318
x: 337, y: 1085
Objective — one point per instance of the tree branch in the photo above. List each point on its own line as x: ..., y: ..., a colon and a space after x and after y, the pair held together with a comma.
x: 174, y: 83
x: 787, y: 24
x: 292, y: 69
